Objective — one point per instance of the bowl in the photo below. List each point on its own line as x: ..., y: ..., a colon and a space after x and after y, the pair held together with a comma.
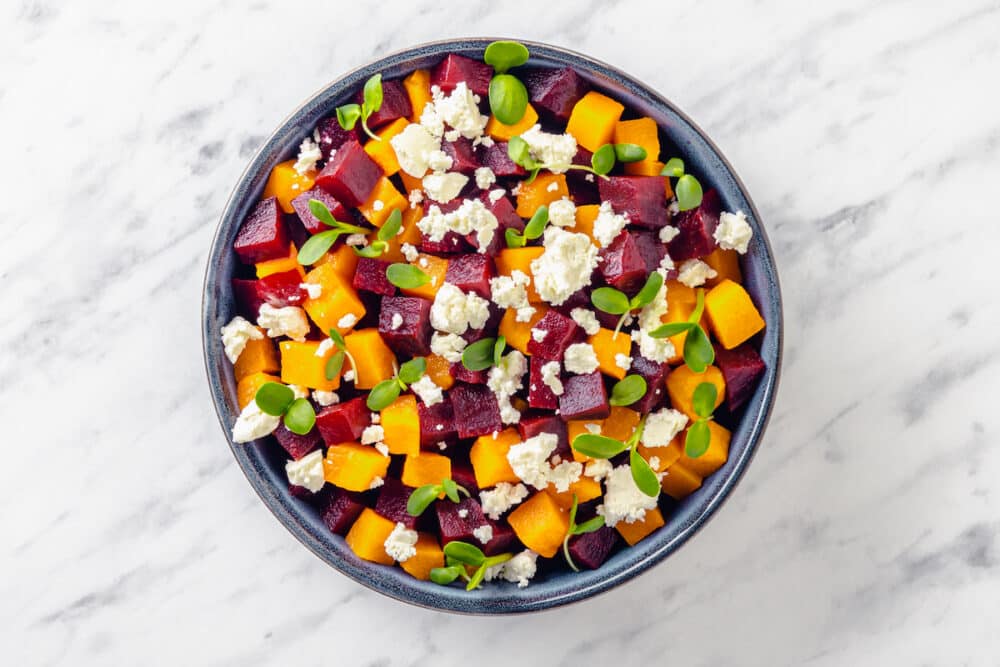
x: 264, y: 467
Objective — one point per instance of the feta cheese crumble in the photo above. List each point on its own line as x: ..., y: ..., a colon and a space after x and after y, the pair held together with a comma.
x: 289, y: 321
x: 356, y: 240
x: 325, y: 398
x: 484, y: 533
x: 623, y: 361
x: 459, y: 110
x: 668, y: 233
x: 463, y: 513
x: 313, y: 290
x: 663, y: 426
x: 694, y: 273
x: 449, y: 346
x: 372, y: 434
x: 511, y: 292
x: 253, y: 423
x: 416, y: 197
x: 550, y: 378
x: 427, y: 391
x: 309, y: 155
x: 325, y: 346
x: 307, y: 472
x: 530, y: 459
x: 443, y: 187
x: 519, y: 569
x: 413, y: 147
x: 623, y: 501
x: 586, y: 319
x: 554, y: 151
x: 538, y: 335
x: 733, y: 232
x: 471, y: 217
x: 654, y: 349
x: 580, y: 358
x: 562, y: 213
x: 237, y: 334
x: 608, y: 225
x: 410, y: 252
x: 501, y: 498
x: 598, y: 469
x: 505, y: 380
x: 565, y: 266
x: 484, y: 178
x: 401, y: 543
x: 496, y: 195
x: 347, y: 321
x: 455, y: 311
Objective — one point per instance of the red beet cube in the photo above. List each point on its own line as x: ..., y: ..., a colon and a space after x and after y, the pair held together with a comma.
x: 411, y: 335
x: 437, y: 424
x: 451, y: 243
x: 465, y: 476
x: 370, y: 277
x: 641, y: 197
x: 395, y: 104
x: 503, y: 540
x: 651, y: 248
x: 471, y: 272
x: 343, y: 422
x: 463, y: 155
x: 554, y: 92
x: 248, y: 300
x: 561, y: 332
x: 332, y: 136
x: 310, y: 221
x: 263, y: 235
x: 282, y: 289
x: 590, y: 550
x: 454, y: 526
x: 350, y: 175
x: 655, y: 374
x: 584, y: 397
x: 507, y: 218
x: 463, y: 374
x: 340, y: 510
x: 697, y: 229
x: 539, y: 394
x: 296, y: 445
x: 454, y: 68
x: 476, y: 410
x: 498, y: 159
x: 531, y: 426
x: 623, y: 267
x: 742, y: 368
x: 391, y: 503
x: 302, y: 493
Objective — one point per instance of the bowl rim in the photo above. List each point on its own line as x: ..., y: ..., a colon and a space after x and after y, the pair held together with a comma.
x: 447, y: 600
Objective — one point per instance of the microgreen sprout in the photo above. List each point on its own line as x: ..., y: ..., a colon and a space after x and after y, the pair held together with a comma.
x: 602, y: 447
x: 313, y: 249
x: 698, y: 351
x: 508, y: 96
x: 385, y: 392
x: 628, y: 390
x: 698, y: 435
x: 484, y: 353
x: 349, y: 114
x: 616, y: 302
x: 588, y: 526
x: 687, y: 188
x: 459, y: 557
x: 386, y: 233
x: 279, y: 400
x: 532, y: 230
x: 601, y: 162
x: 336, y: 361
x: 406, y: 276
x: 424, y: 496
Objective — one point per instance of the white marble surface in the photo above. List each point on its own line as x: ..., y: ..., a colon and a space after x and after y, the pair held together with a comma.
x: 867, y: 531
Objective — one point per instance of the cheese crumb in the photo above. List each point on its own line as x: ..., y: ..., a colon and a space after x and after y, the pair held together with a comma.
x: 455, y: 311
x: 734, y: 232
x: 519, y: 569
x: 538, y: 335
x: 586, y: 319
x: 347, y: 321
x: 471, y: 217
x: 378, y: 205
x: 511, y: 292
x: 459, y: 110
x: 416, y: 196
x: 325, y: 346
x: 565, y: 266
x: 505, y: 380
x: 312, y: 289
x: 623, y: 361
x: 325, y: 398
x: 289, y: 321
x: 463, y: 513
x: 253, y: 423
x: 550, y: 377
x: 356, y: 240
x: 483, y: 533
x: 580, y: 358
x: 623, y: 501
x: 496, y: 195
x: 309, y: 155
x: 410, y: 252
x: 377, y: 482
x: 608, y: 225
x: 695, y: 272
x: 307, y: 472
x: 529, y: 459
x: 449, y: 346
x: 501, y: 498
x: 429, y: 392
x: 238, y: 333
x: 554, y: 151
x: 668, y: 233
x: 485, y: 178
x: 444, y: 187
x: 413, y: 147
x: 598, y: 469
x: 372, y: 434
x: 562, y: 213
x: 662, y: 427
x: 401, y: 543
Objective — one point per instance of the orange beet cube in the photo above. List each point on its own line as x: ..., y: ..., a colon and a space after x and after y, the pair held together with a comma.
x: 439, y: 370
x: 247, y: 387
x: 382, y: 151
x: 367, y: 537
x: 401, y: 424
x: 641, y: 132
x: 519, y: 333
x: 637, y: 530
x: 545, y: 189
x: 731, y: 312
x: 679, y: 482
x: 577, y: 427
x: 343, y: 260
x: 726, y: 263
x: 608, y: 346
x: 300, y: 365
x: 418, y: 88
x: 436, y: 268
x: 489, y: 458
x: 585, y: 217
x: 258, y: 356
x: 682, y: 381
x: 425, y: 468
x: 285, y: 184
x: 382, y: 201
x: 375, y: 361
x: 520, y: 259
x: 429, y: 556
x: 336, y: 299
x: 502, y: 132
x: 713, y: 459
x: 584, y: 489
x: 666, y: 456
x: 593, y: 120
x: 354, y: 467
x: 540, y: 524
x: 281, y: 264
x: 621, y: 423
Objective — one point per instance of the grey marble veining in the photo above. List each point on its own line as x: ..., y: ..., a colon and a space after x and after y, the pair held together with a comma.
x: 867, y: 531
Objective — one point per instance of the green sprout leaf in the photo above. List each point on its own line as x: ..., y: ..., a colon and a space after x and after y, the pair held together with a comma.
x: 421, y: 499
x: 316, y: 246
x: 589, y: 526
x: 688, y: 191
x: 514, y: 239
x: 598, y: 446
x: 372, y: 95
x: 479, y: 356
x: 498, y: 349
x: 648, y: 291
x: 508, y: 98
x: 383, y: 394
x: 603, y: 160
x: 610, y: 300
x: 671, y: 329
x: 628, y: 390
x: 450, y: 489
x: 674, y: 168
x: 629, y: 152
x: 406, y: 276
x: 536, y: 225
x: 322, y: 212
x: 697, y: 439
x: 519, y: 152
x: 274, y: 398
x: 643, y: 475
x: 412, y: 370
x: 372, y: 251
x: 391, y: 227
x: 698, y: 351
x: 704, y: 398
x: 348, y: 115
x: 334, y: 365
x: 446, y: 575
x: 463, y: 552
x: 504, y: 55
x: 300, y: 417
x: 337, y: 338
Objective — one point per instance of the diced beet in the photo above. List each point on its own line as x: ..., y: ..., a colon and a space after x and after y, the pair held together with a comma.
x: 332, y: 136
x: 451, y: 243
x: 454, y: 68
x: 395, y: 104
x: 350, y: 175
x: 584, y: 397
x: 590, y: 550
x: 623, y: 267
x: 507, y: 218
x: 463, y: 374
x: 471, y: 272
x: 412, y: 337
x: 437, y: 423
x: 282, y: 289
x: 531, y: 426
x: 498, y: 159
x: 742, y: 368
x: 655, y: 374
x: 370, y: 277
x: 310, y: 221
x: 343, y: 422
x: 579, y: 299
x: 476, y: 410
x: 697, y: 229
x: 296, y: 445
x: 340, y: 510
x: 465, y: 476
x: 503, y: 539
x: 454, y: 527
x: 462, y: 154
x: 651, y: 248
x: 248, y: 300
x: 554, y: 92
x: 391, y: 503
x: 539, y: 394
x: 641, y: 197
x: 561, y: 332
x: 301, y: 492
x: 263, y: 235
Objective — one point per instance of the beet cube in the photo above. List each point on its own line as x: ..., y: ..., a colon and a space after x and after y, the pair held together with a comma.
x: 340, y: 510
x: 370, y: 277
x: 281, y: 289
x: 296, y: 445
x: 471, y: 272
x: 462, y: 154
x: 302, y: 493
x: 248, y: 300
x: 437, y: 424
x: 454, y: 68
x: 395, y: 104
x: 641, y: 197
x: 350, y: 175
x: 391, y: 503
x: 343, y: 422
x: 742, y: 368
x: 531, y: 426
x: 310, y: 221
x: 561, y: 332
x: 503, y: 539
x: 332, y: 136
x: 584, y: 397
x: 590, y: 550
x: 498, y: 159
x: 463, y: 374
x: 554, y: 92
x: 476, y: 410
x: 655, y: 374
x: 263, y: 235
x: 697, y: 229
x: 465, y: 476
x: 539, y: 394
x: 450, y: 243
x: 623, y: 267
x: 507, y: 218
x: 454, y: 526
x: 412, y: 334
x: 651, y: 248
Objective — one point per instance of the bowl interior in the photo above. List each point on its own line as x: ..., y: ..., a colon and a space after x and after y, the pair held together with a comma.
x: 264, y: 466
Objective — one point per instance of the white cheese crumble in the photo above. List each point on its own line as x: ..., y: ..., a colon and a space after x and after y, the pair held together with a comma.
x: 448, y: 346
x: 253, y: 423
x: 608, y: 225
x: 440, y: 161
x: 309, y: 155
x: 623, y: 361
x: 463, y: 513
x: 397, y: 321
x: 325, y: 398
x: 580, y: 358
x: 378, y: 205
x: 484, y: 178
x: 530, y: 459
x: 562, y: 213
x: 505, y: 380
x: 593, y: 428
x: 348, y: 375
x: 501, y: 498
x: 598, y: 469
x: 325, y: 346
x: 289, y: 321
x: 236, y: 335
x: 538, y: 335
x: 733, y: 232
x: 410, y: 252
x: 623, y: 501
x: 511, y: 292
x: 444, y: 187
x: 554, y: 151
x: 654, y: 349
x: 377, y: 482
x: 552, y: 187
x: 694, y: 273
x: 414, y: 147
x: 312, y: 289
x: 471, y: 216
x: 667, y: 263
x: 484, y: 533
x: 372, y: 434
x: 565, y: 474
x: 382, y: 448
x: 401, y: 543
x: 416, y: 196
x: 356, y: 240
x: 459, y: 110
x: 550, y: 378
x: 519, y: 569
x: 455, y: 311
x: 668, y: 233
x: 565, y: 266
x: 663, y: 426
x: 586, y: 319
x: 427, y: 390
x: 307, y: 472
x: 496, y: 195
x: 347, y: 321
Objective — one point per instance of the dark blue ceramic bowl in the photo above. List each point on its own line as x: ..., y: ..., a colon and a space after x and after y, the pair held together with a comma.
x: 263, y: 465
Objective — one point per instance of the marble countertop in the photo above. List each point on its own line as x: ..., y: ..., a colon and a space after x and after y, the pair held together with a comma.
x: 867, y: 531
